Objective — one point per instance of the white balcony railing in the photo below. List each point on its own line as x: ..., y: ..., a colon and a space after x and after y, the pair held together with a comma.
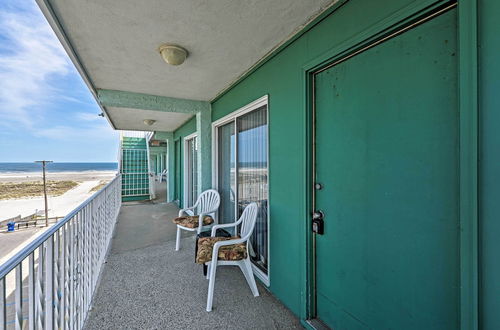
x: 49, y: 284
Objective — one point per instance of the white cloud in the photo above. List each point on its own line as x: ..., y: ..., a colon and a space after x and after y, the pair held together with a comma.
x: 38, y: 101
x: 31, y: 56
x: 87, y: 116
x: 61, y: 132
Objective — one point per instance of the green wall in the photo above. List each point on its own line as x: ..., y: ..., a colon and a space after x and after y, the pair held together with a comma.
x: 489, y: 164
x: 283, y: 79
x: 188, y: 128
x: 153, y: 152
x: 157, y: 150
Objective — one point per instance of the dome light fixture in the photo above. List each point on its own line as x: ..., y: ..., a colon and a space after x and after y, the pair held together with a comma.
x: 149, y: 122
x: 173, y: 54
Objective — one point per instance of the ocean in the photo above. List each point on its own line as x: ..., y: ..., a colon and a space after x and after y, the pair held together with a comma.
x: 57, y: 167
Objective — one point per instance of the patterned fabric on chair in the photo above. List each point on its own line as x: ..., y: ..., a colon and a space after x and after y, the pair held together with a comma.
x: 192, y: 221
x: 229, y: 252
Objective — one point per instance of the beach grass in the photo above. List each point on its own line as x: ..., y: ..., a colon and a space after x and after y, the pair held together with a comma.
x: 101, y: 185
x: 18, y: 190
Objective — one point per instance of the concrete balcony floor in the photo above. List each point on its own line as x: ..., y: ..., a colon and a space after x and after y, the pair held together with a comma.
x: 147, y: 285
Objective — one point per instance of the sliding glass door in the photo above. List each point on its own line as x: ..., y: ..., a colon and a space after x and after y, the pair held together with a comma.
x: 242, y: 174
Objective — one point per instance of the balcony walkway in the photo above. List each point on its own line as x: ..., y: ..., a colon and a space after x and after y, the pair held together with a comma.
x: 147, y: 285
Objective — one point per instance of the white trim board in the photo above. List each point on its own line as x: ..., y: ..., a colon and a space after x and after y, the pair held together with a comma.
x: 185, y: 166
x: 231, y: 117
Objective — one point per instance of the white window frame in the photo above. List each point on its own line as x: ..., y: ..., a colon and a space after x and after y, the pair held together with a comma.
x: 264, y: 100
x: 186, y: 167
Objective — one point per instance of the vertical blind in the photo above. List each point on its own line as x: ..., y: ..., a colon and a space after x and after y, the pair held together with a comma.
x: 192, y: 171
x: 226, y: 172
x: 242, y: 168
x: 177, y: 150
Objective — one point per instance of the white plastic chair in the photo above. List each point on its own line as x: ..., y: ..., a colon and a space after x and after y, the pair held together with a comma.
x: 247, y: 221
x: 206, y: 204
x: 162, y: 175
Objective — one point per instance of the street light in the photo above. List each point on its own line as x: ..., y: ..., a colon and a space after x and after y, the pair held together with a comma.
x: 44, y: 163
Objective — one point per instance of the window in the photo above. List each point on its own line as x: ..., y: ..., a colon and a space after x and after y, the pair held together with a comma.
x: 241, y: 167
x: 190, y: 170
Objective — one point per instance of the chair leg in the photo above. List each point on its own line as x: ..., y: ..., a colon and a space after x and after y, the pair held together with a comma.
x: 211, y: 284
x: 249, y: 277
x: 243, y: 269
x: 178, y: 239
x: 208, y: 270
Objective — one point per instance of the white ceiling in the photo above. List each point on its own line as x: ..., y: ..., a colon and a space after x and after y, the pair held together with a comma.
x: 116, y: 43
x: 117, y: 40
x: 133, y: 119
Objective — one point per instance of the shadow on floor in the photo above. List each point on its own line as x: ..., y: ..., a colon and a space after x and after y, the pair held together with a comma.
x: 147, y: 285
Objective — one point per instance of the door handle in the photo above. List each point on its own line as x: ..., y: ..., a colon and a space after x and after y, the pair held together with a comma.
x: 317, y: 222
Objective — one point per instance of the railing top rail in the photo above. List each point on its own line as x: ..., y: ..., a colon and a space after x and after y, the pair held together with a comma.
x: 10, y: 264
x: 135, y: 134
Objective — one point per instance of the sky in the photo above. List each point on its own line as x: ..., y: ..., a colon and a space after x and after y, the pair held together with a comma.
x: 46, y: 110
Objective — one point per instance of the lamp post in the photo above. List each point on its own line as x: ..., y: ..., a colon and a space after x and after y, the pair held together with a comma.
x: 44, y: 163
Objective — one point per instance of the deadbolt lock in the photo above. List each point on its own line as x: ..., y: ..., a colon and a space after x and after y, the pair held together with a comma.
x: 318, y: 222
x: 318, y: 186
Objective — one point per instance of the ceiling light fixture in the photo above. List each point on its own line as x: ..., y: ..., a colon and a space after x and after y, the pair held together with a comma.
x: 172, y: 54
x: 149, y: 122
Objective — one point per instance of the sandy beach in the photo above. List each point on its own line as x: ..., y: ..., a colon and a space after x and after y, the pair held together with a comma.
x: 59, y: 205
x: 57, y: 176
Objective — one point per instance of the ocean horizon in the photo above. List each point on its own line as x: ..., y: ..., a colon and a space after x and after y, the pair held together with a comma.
x: 57, y: 167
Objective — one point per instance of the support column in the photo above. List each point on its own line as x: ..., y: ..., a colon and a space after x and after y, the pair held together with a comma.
x: 170, y: 166
x: 204, y: 132
x: 168, y: 163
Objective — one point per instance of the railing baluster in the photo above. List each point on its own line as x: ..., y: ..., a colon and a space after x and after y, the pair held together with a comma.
x: 62, y: 278
x: 3, y: 307
x: 39, y: 297
x: 83, y: 266
x: 80, y: 268
x: 67, y: 277
x: 77, y: 270
x: 88, y: 268
x: 31, y: 291
x: 19, y: 296
x: 71, y: 275
x: 49, y: 284
x: 55, y: 292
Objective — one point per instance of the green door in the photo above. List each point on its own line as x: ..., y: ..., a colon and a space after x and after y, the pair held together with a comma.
x: 387, y: 158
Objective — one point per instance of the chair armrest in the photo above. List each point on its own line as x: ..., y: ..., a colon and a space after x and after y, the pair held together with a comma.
x: 226, y: 225
x: 186, y: 209
x: 201, y: 216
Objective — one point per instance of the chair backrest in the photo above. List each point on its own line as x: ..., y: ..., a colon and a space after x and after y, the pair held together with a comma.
x: 248, y: 217
x: 208, y: 201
